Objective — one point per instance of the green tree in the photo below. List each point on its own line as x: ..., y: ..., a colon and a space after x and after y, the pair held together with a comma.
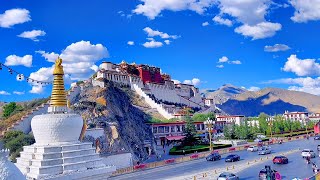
x: 226, y: 132
x: 190, y: 131
x: 203, y: 117
x: 263, y: 124
x: 8, y: 109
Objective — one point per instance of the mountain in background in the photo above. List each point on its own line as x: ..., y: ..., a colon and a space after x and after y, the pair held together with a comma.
x: 238, y: 101
x: 224, y: 93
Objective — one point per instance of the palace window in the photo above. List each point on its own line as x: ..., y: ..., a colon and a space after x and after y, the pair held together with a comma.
x: 183, y: 128
x: 155, y: 130
x: 198, y: 127
x: 166, y: 129
x: 161, y: 129
x: 173, y: 129
x: 178, y: 128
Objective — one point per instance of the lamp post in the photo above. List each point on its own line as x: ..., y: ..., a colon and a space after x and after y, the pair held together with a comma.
x: 209, y: 123
x: 270, y: 123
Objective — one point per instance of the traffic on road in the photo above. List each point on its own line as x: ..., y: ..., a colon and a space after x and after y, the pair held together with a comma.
x: 287, y: 167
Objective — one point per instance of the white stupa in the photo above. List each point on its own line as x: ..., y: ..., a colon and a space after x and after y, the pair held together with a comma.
x: 58, y: 153
x: 7, y: 169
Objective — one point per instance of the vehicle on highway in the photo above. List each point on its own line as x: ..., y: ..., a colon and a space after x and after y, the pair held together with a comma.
x: 232, y: 158
x: 213, y: 157
x: 252, y: 148
x: 318, y: 147
x: 280, y: 160
x: 308, y: 153
x: 227, y: 176
x: 263, y: 174
x: 258, y: 140
x: 317, y: 137
x: 264, y: 148
x: 264, y: 152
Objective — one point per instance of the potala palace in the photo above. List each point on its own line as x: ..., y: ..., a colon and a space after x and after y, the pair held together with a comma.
x: 158, y: 90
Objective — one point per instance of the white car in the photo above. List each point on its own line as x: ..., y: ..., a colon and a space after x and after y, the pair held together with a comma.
x: 227, y: 176
x: 252, y: 148
x: 308, y: 153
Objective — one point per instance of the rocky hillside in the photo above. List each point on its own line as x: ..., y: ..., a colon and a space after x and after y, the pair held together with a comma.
x: 112, y: 108
x: 224, y: 93
x: 271, y: 101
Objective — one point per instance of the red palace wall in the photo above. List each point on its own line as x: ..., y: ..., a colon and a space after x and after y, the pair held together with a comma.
x: 145, y: 76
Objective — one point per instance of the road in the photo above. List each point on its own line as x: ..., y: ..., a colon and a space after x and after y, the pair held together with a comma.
x: 194, y: 167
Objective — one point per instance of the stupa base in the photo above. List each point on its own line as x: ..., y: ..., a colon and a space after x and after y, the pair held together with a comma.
x: 61, y: 161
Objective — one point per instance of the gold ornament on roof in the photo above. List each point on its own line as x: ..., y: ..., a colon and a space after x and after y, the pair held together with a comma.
x: 58, y: 95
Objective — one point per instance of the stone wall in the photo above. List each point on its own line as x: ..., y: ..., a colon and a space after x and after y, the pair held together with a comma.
x: 119, y: 160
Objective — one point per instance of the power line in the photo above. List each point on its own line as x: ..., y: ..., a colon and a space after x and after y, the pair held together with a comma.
x: 21, y: 76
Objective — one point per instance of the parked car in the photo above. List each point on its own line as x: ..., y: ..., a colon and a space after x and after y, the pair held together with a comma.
x: 280, y: 160
x: 263, y: 174
x: 317, y: 137
x: 308, y: 152
x: 264, y: 152
x: 252, y: 148
x: 213, y: 157
x: 232, y: 158
x: 258, y: 140
x: 227, y: 176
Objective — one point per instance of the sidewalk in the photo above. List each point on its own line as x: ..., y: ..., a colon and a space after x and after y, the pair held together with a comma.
x: 161, y: 154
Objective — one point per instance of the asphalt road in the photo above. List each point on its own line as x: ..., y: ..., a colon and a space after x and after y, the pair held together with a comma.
x: 297, y: 167
x: 193, y: 167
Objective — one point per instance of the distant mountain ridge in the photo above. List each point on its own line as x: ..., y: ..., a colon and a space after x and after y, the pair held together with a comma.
x: 224, y: 93
x: 268, y: 100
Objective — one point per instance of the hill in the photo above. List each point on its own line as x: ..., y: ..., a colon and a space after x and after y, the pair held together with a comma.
x: 271, y: 101
x: 224, y: 93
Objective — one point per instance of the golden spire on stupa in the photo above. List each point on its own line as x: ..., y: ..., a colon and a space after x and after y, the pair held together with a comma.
x: 58, y: 96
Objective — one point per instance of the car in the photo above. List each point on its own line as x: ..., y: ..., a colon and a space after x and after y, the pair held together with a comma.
x: 232, y: 158
x: 308, y: 153
x: 318, y: 147
x: 280, y: 160
x: 317, y: 137
x: 252, y: 148
x: 264, y: 148
x: 213, y: 157
x: 264, y: 152
x: 227, y: 176
x: 263, y: 174
x: 258, y: 140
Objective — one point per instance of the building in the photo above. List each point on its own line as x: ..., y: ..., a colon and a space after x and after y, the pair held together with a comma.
x: 237, y: 119
x: 158, y: 90
x: 314, y: 117
x: 162, y: 131
x: 303, y: 117
x: 209, y: 102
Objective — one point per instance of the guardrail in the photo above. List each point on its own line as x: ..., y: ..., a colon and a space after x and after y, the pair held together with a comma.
x: 197, y: 156
x: 314, y: 177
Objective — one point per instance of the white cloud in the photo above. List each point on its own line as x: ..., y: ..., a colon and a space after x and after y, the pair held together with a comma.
x: 50, y: 57
x: 253, y: 88
x: 251, y: 13
x: 4, y: 93
x: 194, y: 81
x: 94, y: 67
x: 205, y: 23
x: 305, y: 10
x: 131, y: 43
x: 18, y: 92
x: 223, y: 59
x: 33, y: 35
x: 37, y: 89
x: 306, y: 84
x: 222, y: 21
x: 302, y: 67
x: 14, y: 16
x: 276, y: 48
x: 259, y: 31
x: 14, y: 60
x: 167, y: 41
x: 153, y: 33
x: 152, y: 44
x: 235, y: 62
x: 152, y: 8
x: 78, y: 61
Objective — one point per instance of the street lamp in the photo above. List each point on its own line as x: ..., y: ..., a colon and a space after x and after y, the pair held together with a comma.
x: 270, y: 125
x: 209, y: 123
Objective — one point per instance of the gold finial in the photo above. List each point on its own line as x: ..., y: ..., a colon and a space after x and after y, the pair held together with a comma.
x: 58, y: 68
x: 58, y: 96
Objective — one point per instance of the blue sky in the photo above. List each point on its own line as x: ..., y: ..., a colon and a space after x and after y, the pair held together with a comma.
x: 259, y: 43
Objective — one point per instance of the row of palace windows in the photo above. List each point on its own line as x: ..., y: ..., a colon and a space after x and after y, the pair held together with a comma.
x: 176, y: 128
